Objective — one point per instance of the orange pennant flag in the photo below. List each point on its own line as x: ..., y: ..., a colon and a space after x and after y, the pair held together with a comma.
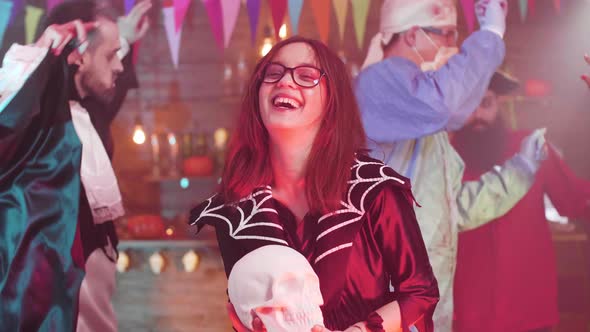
x: 321, y: 13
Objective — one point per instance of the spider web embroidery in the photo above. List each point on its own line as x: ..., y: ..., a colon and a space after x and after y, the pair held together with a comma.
x: 245, y: 221
x: 349, y: 206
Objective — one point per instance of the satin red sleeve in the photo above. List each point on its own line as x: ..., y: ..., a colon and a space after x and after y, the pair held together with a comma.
x: 405, y: 258
x: 569, y: 194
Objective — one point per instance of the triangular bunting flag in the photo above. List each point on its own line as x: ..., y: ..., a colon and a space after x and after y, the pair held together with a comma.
x: 32, y: 17
x: 294, y: 14
x: 557, y: 5
x: 215, y: 20
x: 129, y: 5
x: 532, y: 8
x: 253, y: 13
x: 278, y: 9
x: 172, y: 35
x: 360, y: 10
x: 341, y: 9
x: 321, y: 12
x: 5, y: 12
x: 52, y: 3
x: 523, y: 5
x: 180, y: 9
x: 231, y: 9
x: 17, y: 6
x: 469, y: 13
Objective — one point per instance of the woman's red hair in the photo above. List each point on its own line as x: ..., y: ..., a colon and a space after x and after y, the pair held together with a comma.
x: 340, y: 136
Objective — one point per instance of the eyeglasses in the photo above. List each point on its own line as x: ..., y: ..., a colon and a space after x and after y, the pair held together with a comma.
x: 305, y: 76
x: 451, y: 35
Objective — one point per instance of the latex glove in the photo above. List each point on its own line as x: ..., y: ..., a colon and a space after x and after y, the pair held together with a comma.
x: 56, y: 37
x: 135, y: 25
x: 491, y: 15
x: 533, y: 150
x: 586, y: 78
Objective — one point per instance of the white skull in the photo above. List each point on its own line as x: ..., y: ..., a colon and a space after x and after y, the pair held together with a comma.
x: 276, y: 284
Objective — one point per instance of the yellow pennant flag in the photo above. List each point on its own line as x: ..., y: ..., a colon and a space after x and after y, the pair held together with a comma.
x: 341, y: 9
x: 32, y: 17
x: 360, y: 10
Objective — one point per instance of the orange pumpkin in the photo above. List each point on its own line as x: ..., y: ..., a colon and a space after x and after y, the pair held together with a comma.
x: 146, y: 227
x: 198, y: 166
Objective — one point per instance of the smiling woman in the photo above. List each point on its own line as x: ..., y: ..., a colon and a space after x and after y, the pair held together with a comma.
x: 329, y: 104
x: 296, y: 175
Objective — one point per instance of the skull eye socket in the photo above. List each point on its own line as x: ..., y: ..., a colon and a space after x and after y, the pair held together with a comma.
x: 269, y: 310
x: 290, y: 284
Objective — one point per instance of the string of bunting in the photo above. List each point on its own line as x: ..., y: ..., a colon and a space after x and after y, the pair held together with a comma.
x: 223, y: 14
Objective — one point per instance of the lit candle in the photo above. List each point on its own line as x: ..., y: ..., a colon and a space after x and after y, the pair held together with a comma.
x: 220, y: 138
x: 138, y: 135
x: 138, y: 132
x: 122, y: 262
x: 156, y: 263
x: 190, y: 260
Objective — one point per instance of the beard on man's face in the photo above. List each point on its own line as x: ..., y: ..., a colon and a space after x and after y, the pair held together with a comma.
x: 481, y: 126
x: 481, y: 144
x: 106, y: 96
x: 97, y: 90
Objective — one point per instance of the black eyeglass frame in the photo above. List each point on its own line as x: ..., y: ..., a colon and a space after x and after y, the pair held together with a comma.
x: 293, y: 76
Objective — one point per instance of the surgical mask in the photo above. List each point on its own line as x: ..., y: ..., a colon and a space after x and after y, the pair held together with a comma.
x: 442, y: 56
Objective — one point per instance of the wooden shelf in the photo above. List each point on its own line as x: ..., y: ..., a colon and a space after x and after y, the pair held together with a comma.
x: 177, y: 178
x: 166, y: 244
